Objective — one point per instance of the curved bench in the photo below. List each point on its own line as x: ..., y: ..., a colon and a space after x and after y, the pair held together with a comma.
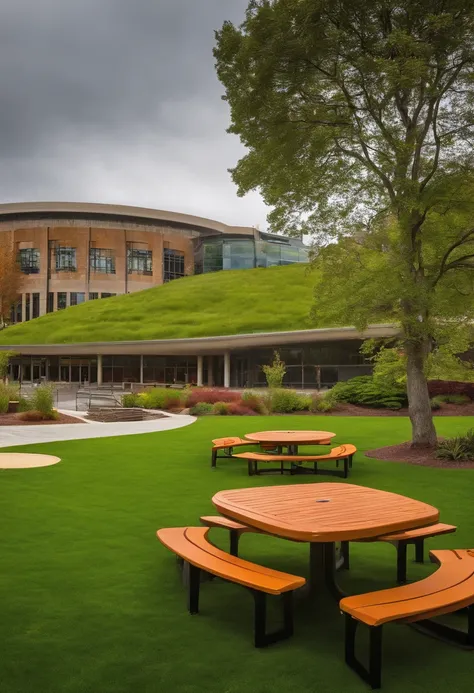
x: 449, y: 589
x: 401, y: 540
x: 191, y: 544
x: 226, y: 445
x: 342, y: 453
x: 235, y: 529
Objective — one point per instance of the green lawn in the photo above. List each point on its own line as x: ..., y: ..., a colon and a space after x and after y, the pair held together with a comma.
x: 91, y: 602
x: 169, y: 311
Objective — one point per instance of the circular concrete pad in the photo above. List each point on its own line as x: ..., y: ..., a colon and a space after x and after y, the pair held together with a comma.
x: 20, y: 460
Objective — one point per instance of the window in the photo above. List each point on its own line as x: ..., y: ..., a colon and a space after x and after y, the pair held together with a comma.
x: 93, y: 295
x: 77, y: 298
x: 50, y: 306
x: 29, y: 259
x: 65, y: 259
x: 62, y: 300
x: 36, y: 305
x: 139, y: 261
x: 106, y: 295
x: 173, y: 264
x: 102, y: 260
x: 27, y: 306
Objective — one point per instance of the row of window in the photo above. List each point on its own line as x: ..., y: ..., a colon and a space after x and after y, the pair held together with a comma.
x: 102, y: 261
x: 75, y: 298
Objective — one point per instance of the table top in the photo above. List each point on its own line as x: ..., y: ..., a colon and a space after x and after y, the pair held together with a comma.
x: 324, y: 512
x: 290, y: 437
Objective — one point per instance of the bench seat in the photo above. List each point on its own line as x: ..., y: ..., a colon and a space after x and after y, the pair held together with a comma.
x: 449, y: 589
x: 342, y: 452
x: 191, y: 544
x: 226, y: 445
x: 401, y: 540
x: 236, y: 529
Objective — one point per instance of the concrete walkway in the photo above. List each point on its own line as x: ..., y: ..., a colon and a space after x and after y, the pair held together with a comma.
x: 27, y: 435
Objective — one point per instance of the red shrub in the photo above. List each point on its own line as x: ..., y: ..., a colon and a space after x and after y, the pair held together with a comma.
x: 238, y: 409
x: 211, y: 396
x: 450, y: 387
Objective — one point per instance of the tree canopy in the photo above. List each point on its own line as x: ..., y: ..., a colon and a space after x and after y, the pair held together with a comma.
x: 357, y: 116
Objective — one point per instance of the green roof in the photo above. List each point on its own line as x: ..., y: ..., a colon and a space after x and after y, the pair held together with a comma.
x: 223, y: 303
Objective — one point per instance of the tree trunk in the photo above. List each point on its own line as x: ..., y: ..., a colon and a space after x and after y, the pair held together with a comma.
x: 419, y: 407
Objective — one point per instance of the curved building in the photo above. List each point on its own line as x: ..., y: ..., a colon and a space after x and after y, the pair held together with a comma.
x: 69, y: 253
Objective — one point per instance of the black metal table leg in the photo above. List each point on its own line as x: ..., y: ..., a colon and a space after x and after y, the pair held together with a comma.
x: 322, y: 570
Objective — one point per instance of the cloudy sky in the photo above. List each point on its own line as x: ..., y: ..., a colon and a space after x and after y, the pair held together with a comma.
x: 117, y: 101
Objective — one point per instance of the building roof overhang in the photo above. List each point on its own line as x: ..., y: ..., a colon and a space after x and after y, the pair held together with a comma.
x: 206, y: 345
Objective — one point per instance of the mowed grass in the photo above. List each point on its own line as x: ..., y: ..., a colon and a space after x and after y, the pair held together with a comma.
x: 231, y: 302
x: 91, y: 602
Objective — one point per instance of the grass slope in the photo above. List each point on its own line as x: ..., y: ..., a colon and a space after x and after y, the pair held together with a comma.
x: 231, y: 302
x: 92, y: 602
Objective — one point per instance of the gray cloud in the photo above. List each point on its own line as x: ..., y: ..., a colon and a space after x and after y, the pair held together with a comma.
x: 118, y: 101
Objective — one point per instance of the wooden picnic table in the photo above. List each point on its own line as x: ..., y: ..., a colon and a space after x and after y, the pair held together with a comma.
x: 291, y: 439
x: 323, y: 514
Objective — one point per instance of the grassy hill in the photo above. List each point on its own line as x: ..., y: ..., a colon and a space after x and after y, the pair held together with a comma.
x: 231, y: 302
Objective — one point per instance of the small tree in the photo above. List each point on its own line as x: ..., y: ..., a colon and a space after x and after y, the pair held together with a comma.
x: 358, y: 121
x: 275, y: 372
x: 10, y: 278
x: 5, y: 357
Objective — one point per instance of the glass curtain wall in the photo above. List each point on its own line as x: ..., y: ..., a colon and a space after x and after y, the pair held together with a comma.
x: 215, y: 254
x: 308, y: 366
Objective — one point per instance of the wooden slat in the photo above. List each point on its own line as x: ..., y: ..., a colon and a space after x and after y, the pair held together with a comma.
x: 190, y: 543
x: 290, y: 437
x: 449, y: 589
x: 421, y: 533
x: 338, y: 453
x: 221, y: 443
x: 349, y: 511
x: 225, y: 523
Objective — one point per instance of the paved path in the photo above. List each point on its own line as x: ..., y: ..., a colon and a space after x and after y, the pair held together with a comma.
x: 26, y: 435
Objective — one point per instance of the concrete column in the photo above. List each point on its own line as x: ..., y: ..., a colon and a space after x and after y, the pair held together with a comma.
x: 227, y: 369
x: 210, y: 377
x: 200, y: 365
x: 141, y: 369
x: 99, y: 369
x: 23, y: 307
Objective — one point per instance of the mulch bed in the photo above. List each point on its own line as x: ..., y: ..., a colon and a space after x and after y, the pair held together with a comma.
x: 425, y: 458
x: 15, y: 420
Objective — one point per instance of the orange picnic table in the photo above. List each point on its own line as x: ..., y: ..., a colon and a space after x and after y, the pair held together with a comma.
x: 291, y: 439
x: 323, y: 514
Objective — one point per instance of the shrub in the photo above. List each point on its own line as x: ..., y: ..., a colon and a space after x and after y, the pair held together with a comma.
x: 35, y: 415
x: 220, y: 408
x: 453, y: 399
x: 131, y: 400
x: 435, y: 403
x: 201, y: 409
x: 285, y: 401
x: 161, y: 398
x: 450, y: 387
x: 237, y: 409
x: 211, y: 396
x: 275, y: 372
x: 366, y: 391
x: 320, y: 403
x: 255, y: 402
x: 4, y: 401
x: 23, y: 404
x: 42, y: 401
x: 11, y: 391
x: 458, y: 448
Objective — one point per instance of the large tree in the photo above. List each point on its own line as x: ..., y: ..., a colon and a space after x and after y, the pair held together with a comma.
x: 358, y: 117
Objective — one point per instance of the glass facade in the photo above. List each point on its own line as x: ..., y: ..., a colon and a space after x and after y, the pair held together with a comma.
x: 102, y: 260
x: 64, y: 259
x: 139, y: 261
x: 214, y: 253
x: 29, y: 259
x: 173, y: 264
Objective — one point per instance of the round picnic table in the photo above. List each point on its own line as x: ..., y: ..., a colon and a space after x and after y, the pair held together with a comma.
x: 323, y: 514
x: 291, y: 439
